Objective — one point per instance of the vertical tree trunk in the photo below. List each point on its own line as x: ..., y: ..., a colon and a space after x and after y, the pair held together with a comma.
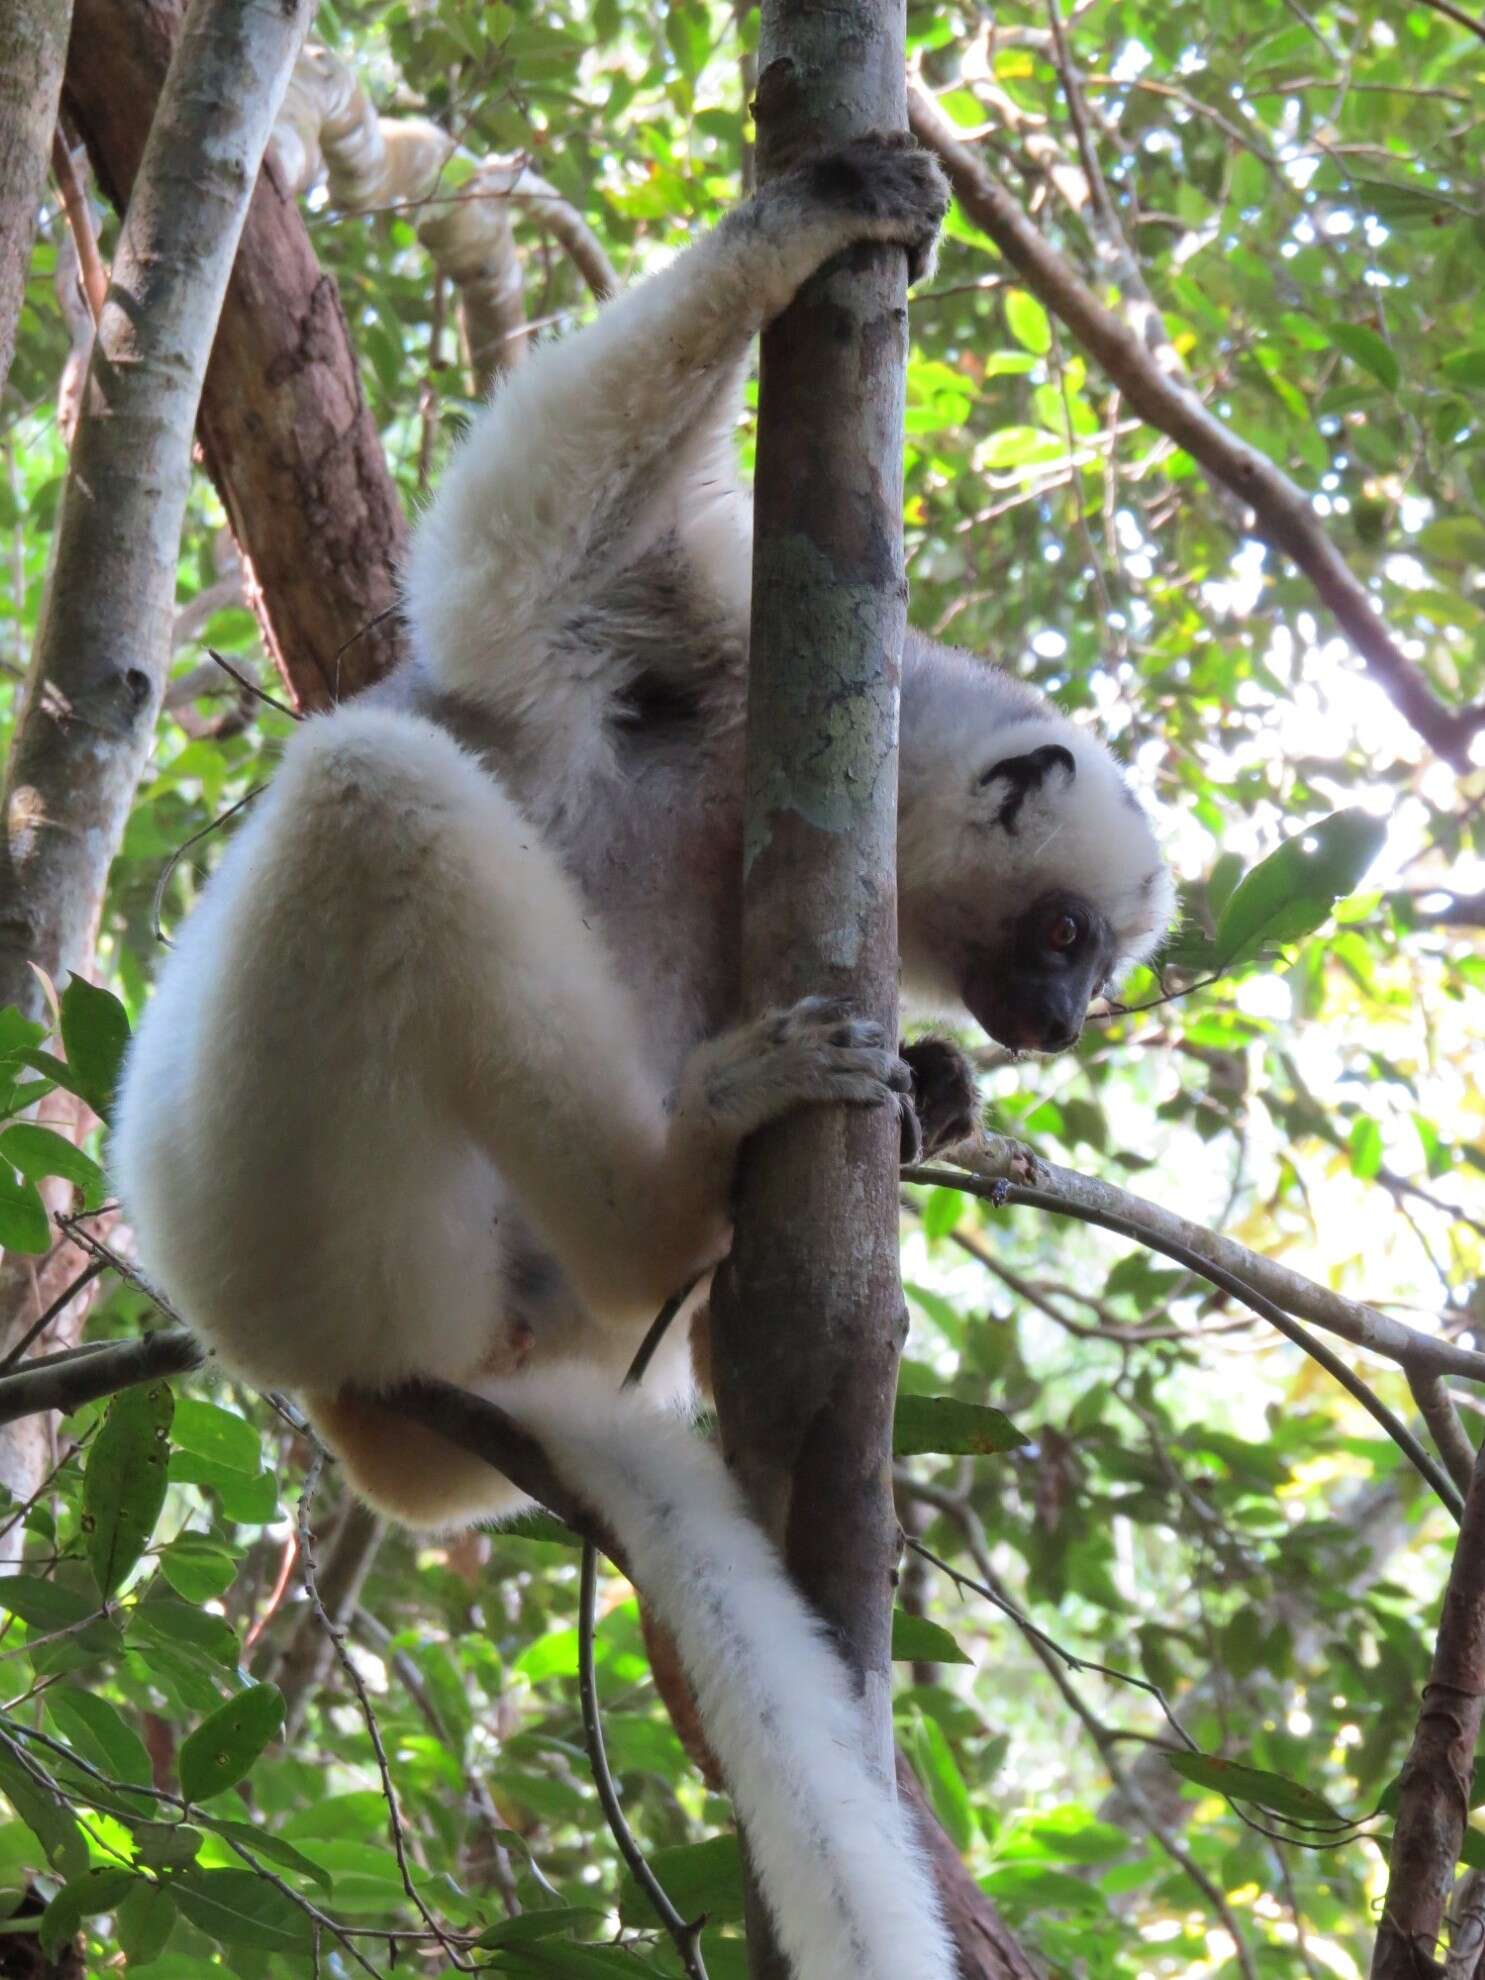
x: 287, y: 434
x: 33, y: 46
x: 104, y: 641
x: 809, y: 1309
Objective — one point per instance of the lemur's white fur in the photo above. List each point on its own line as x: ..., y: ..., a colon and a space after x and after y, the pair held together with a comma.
x: 444, y: 1075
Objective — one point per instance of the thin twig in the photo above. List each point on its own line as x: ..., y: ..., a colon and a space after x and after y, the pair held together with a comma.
x: 686, y: 1937
x: 64, y: 1299
x: 309, y: 1572
x: 79, y: 224
x: 250, y: 686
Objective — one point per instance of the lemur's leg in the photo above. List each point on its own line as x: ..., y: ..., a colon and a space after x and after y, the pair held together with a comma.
x: 564, y: 476
x: 390, y: 1015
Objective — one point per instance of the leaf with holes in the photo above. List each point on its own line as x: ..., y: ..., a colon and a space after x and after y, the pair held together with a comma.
x: 124, y: 1484
x: 223, y: 1748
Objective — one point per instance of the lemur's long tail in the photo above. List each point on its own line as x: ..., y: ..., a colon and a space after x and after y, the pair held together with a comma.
x: 844, y: 1879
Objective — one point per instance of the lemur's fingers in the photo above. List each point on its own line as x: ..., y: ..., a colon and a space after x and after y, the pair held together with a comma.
x: 897, y: 189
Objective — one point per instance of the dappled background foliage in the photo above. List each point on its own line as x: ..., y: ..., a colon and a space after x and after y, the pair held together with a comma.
x: 1195, y: 1503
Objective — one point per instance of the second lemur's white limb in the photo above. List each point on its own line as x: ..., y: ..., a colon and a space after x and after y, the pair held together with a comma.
x: 850, y: 1894
x: 558, y: 481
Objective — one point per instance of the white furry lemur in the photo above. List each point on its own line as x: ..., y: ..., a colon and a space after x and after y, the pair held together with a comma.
x: 445, y: 1075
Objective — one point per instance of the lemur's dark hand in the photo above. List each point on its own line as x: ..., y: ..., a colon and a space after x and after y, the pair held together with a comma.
x: 946, y: 1101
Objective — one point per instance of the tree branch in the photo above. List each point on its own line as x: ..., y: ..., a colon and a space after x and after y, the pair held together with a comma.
x: 995, y: 1159
x: 1283, y: 515
x: 33, y: 46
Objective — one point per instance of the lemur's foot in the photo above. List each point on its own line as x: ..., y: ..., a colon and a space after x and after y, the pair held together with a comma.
x: 814, y: 1051
x: 891, y: 182
x: 880, y: 188
x: 945, y: 1097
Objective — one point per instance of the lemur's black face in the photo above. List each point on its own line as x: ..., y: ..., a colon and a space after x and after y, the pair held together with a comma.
x: 1032, y: 993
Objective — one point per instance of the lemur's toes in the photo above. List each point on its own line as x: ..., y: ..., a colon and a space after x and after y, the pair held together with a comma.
x: 896, y: 186
x: 945, y: 1094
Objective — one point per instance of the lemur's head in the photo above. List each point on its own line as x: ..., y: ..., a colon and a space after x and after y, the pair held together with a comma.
x: 1028, y: 873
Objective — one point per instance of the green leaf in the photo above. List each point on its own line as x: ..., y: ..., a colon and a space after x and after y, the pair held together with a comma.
x: 95, y: 1729
x: 44, y: 1606
x: 1029, y: 322
x: 95, y: 1031
x: 533, y: 1925
x: 698, y: 1878
x: 248, y: 1501
x: 1465, y: 367
x: 39, y: 1151
x: 81, y: 1897
x: 273, y: 1849
x: 916, y: 1640
x: 1031, y: 1887
x: 1366, y: 1148
x: 950, y: 1428
x: 933, y: 1761
x: 145, y: 1920
x: 238, y: 1908
x: 60, y: 1838
x: 1255, y: 1784
x: 1366, y: 348
x: 124, y: 1483
x: 198, y: 1569
x: 181, y: 1627
x: 223, y: 1748
x: 24, y: 1224
x: 219, y: 1435
x: 1291, y: 893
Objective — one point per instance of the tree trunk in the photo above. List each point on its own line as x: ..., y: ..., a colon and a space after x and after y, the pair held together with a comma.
x: 99, y: 663
x: 288, y: 438
x: 33, y: 44
x: 809, y: 1311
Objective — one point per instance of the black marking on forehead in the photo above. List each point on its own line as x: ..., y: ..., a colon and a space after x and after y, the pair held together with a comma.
x: 1025, y: 774
x: 1151, y: 881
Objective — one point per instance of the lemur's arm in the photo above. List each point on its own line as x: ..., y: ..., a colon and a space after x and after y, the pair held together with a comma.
x: 563, y: 477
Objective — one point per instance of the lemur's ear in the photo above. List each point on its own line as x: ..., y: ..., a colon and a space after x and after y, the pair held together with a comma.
x: 1025, y: 774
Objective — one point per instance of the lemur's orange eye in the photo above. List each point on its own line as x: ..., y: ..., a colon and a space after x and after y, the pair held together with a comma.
x: 1062, y: 932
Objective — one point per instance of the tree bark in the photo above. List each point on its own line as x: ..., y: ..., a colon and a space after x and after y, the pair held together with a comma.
x: 1435, y: 1795
x: 808, y: 1311
x: 33, y: 45
x: 99, y: 663
x: 288, y: 438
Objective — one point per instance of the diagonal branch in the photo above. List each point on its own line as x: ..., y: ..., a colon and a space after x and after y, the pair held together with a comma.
x: 996, y: 1159
x: 1283, y: 516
